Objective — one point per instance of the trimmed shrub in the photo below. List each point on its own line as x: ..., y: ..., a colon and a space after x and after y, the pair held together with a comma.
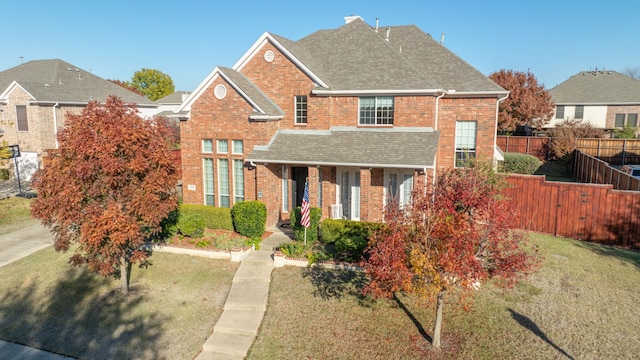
x: 349, y: 238
x: 4, y: 174
x: 249, y: 218
x: 516, y: 163
x: 298, y: 230
x: 293, y: 249
x: 191, y: 225
x: 214, y: 217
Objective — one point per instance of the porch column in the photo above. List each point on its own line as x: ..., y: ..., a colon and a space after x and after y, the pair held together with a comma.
x: 365, y: 193
x: 313, y: 186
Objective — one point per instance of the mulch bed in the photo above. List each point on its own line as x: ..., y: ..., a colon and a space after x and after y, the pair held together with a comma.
x: 210, y: 235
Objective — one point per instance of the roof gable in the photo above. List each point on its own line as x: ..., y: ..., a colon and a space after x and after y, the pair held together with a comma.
x: 264, y: 108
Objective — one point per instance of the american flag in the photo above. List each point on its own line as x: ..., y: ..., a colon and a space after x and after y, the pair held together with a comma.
x: 305, y: 218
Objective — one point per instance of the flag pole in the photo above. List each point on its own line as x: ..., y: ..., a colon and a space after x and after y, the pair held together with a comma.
x: 305, y: 236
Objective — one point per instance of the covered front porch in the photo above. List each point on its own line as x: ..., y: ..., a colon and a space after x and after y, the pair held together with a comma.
x: 352, y: 172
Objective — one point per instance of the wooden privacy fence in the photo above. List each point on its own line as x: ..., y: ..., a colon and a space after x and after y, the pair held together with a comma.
x: 589, y: 212
x: 613, y: 151
x: 588, y: 169
x: 536, y: 146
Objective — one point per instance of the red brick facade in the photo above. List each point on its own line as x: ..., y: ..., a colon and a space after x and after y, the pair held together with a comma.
x: 281, y: 80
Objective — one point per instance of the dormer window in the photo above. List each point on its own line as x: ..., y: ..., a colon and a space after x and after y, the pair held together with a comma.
x: 376, y: 110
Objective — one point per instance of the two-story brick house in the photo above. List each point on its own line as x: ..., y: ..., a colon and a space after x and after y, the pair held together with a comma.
x: 603, y: 98
x: 35, y: 98
x: 363, y: 114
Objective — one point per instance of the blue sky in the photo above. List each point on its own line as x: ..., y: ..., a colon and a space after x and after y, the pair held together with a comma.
x: 187, y: 39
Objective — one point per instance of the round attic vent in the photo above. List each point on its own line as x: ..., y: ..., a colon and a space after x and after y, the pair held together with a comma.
x: 220, y: 91
x: 269, y: 55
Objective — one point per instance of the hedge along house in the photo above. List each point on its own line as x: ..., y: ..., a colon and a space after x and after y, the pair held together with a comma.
x: 363, y: 113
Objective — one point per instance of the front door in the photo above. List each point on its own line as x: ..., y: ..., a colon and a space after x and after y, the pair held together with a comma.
x: 349, y: 192
x: 298, y: 177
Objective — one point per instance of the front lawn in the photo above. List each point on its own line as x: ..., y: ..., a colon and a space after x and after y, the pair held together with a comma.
x: 581, y: 305
x: 15, y: 213
x: 169, y: 313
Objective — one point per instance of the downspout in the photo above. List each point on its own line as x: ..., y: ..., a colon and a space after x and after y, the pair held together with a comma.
x: 55, y: 124
x: 495, y: 137
x: 435, y: 128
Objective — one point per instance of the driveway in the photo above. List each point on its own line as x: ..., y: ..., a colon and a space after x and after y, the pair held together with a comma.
x: 20, y: 243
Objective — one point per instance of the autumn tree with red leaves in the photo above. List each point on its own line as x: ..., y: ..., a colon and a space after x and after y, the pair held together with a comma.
x: 458, y: 234
x: 529, y: 103
x: 107, y: 187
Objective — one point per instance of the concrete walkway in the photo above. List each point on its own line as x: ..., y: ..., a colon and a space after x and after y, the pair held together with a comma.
x: 244, y: 309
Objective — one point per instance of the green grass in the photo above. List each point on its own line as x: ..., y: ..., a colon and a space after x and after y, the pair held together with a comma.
x: 169, y: 313
x: 15, y: 213
x: 581, y: 305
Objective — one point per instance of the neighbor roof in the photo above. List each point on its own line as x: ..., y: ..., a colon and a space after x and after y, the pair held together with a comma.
x: 56, y: 81
x: 597, y: 87
x: 409, y: 148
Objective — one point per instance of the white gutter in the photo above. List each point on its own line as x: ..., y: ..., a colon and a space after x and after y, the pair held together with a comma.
x: 55, y: 124
x: 265, y: 117
x: 323, y: 92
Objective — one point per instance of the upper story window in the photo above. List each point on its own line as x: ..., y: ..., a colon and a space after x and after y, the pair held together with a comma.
x: 21, y: 118
x: 579, y: 112
x: 619, y: 120
x: 465, y: 142
x: 632, y: 120
x: 222, y: 146
x: 560, y: 112
x: 376, y: 110
x: 301, y: 109
x: 207, y: 145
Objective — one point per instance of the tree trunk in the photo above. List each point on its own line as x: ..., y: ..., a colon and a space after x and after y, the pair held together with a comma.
x: 437, y: 328
x: 125, y: 270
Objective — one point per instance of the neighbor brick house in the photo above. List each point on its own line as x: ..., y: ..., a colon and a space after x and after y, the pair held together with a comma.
x: 363, y: 114
x: 35, y: 98
x: 605, y: 99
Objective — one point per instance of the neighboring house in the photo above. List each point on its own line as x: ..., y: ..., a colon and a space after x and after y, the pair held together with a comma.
x: 363, y: 114
x: 605, y: 99
x: 35, y: 98
x: 168, y: 104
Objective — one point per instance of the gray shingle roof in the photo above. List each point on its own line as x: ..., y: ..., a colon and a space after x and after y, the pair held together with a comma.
x: 410, y: 148
x: 597, y: 87
x: 58, y: 81
x: 252, y: 91
x: 173, y: 98
x: 356, y: 57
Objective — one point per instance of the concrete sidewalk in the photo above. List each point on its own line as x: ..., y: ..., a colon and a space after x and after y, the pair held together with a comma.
x: 244, y: 309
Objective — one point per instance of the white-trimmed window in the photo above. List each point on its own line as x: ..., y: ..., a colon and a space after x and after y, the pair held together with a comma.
x: 223, y: 182
x: 285, y: 188
x: 21, y: 118
x: 237, y: 147
x: 207, y: 145
x: 301, y: 109
x: 632, y: 120
x: 222, y: 146
x: 398, y: 186
x: 238, y: 181
x: 560, y: 112
x: 207, y: 167
x: 465, y: 142
x: 579, y: 114
x: 376, y: 110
